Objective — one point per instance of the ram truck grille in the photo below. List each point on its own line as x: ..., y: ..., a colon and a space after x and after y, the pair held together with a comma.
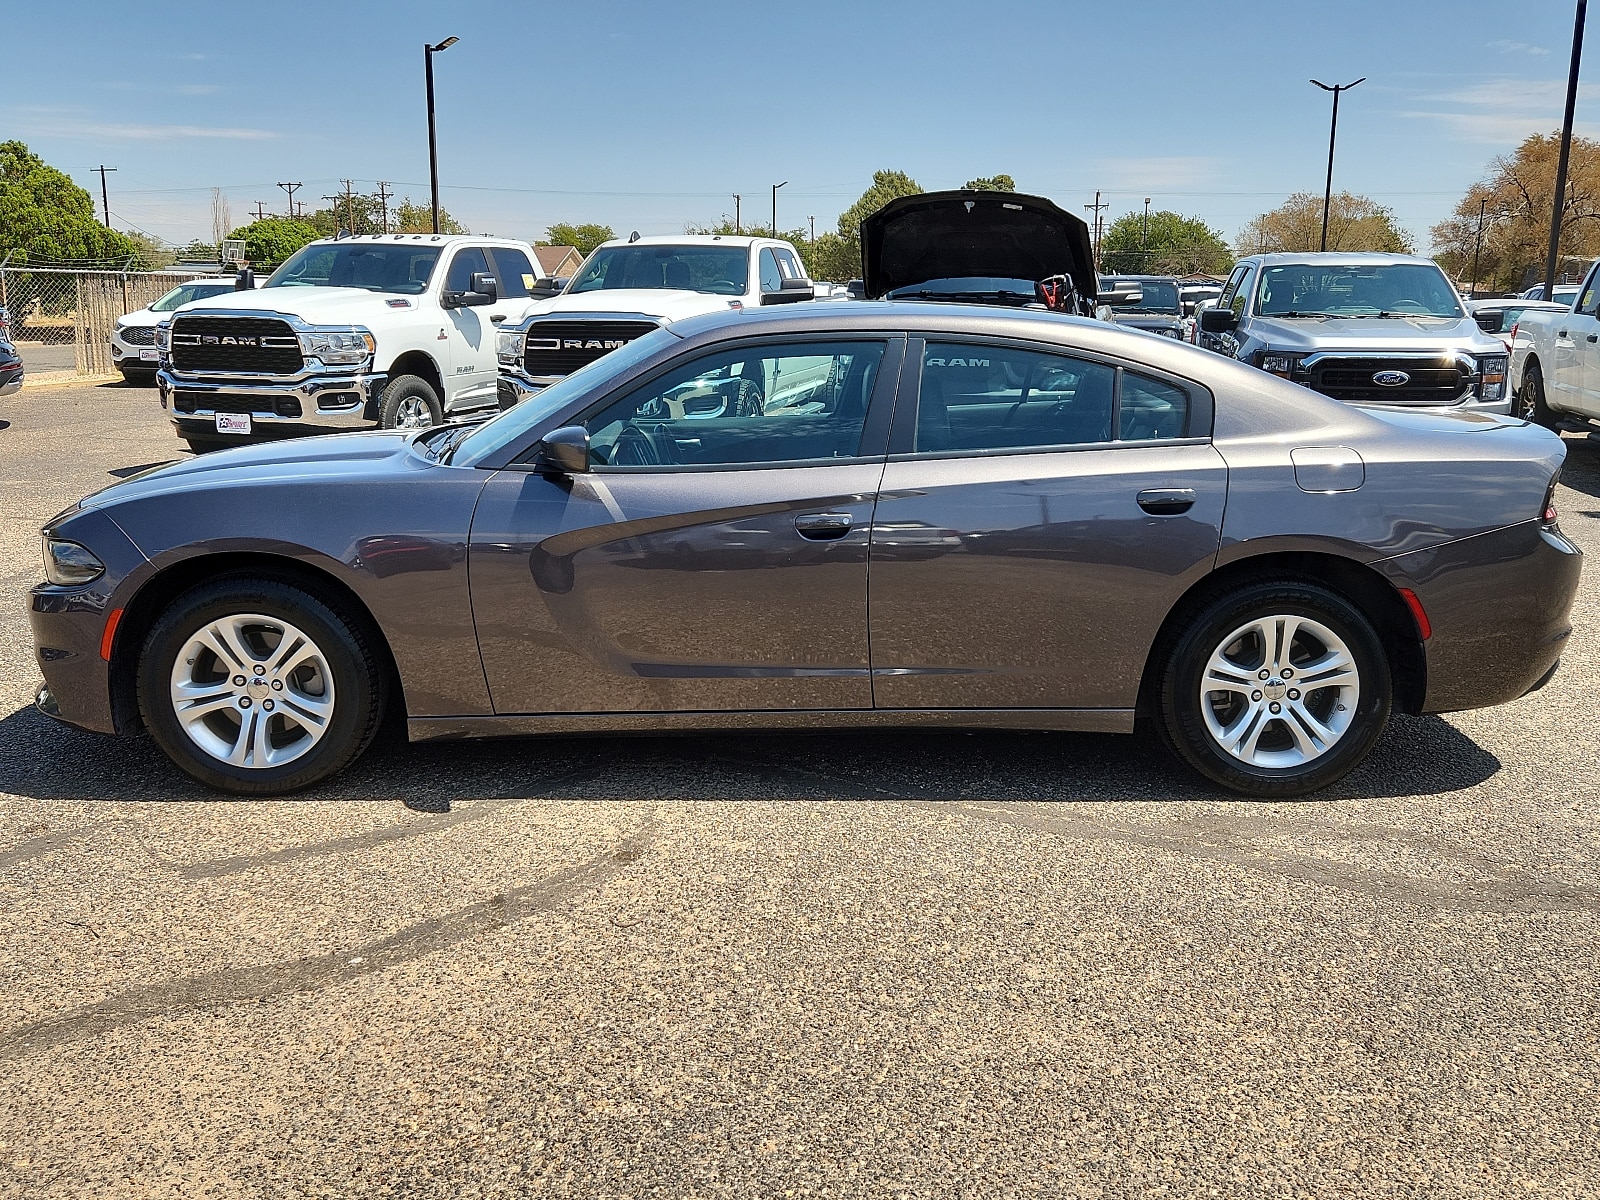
x: 1350, y: 380
x: 235, y: 345
x: 561, y: 347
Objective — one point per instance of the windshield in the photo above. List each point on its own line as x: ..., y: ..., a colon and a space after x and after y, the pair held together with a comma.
x: 970, y: 287
x: 1156, y: 296
x: 719, y: 270
x: 375, y: 266
x: 492, y: 436
x: 190, y: 291
x: 1401, y: 290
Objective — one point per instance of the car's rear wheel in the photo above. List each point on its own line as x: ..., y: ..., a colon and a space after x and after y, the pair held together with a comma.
x: 409, y: 402
x: 1530, y: 402
x: 1276, y: 689
x: 255, y: 686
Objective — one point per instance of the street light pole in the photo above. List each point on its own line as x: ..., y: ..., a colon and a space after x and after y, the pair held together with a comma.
x: 775, y: 188
x: 1333, y: 132
x: 433, y: 141
x: 1566, y: 148
x: 1477, y: 247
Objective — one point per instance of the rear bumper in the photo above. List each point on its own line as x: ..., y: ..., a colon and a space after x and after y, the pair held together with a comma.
x: 1500, y: 606
x: 317, y: 404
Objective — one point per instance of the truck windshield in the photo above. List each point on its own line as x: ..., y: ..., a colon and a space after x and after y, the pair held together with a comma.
x: 719, y: 270
x: 1317, y: 290
x: 1158, y: 297
x: 375, y: 266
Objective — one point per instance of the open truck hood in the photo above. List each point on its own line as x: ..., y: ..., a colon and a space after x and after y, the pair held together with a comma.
x: 949, y: 235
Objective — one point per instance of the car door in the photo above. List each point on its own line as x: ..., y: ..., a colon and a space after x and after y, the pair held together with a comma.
x: 1039, y: 514
x: 470, y: 376
x: 715, y: 556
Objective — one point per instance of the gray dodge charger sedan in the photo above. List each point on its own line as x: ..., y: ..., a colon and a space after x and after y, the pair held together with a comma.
x: 828, y: 516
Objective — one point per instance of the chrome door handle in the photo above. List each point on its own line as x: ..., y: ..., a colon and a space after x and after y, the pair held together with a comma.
x: 823, y: 527
x: 1166, y: 502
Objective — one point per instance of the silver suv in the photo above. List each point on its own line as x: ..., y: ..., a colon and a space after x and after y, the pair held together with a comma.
x: 1362, y: 328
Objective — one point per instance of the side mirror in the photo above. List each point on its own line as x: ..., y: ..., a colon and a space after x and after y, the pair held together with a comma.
x: 1490, y: 322
x: 857, y: 289
x: 485, y: 284
x: 565, y: 450
x: 244, y: 281
x: 790, y: 291
x: 550, y: 285
x: 1218, y: 320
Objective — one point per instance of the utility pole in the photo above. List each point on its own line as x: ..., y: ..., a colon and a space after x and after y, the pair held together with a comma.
x: 1333, y: 132
x: 775, y: 188
x: 1098, y: 208
x: 738, y: 225
x: 813, y: 221
x: 349, y: 205
x: 1477, y: 246
x: 383, y: 200
x: 105, y: 202
x: 1144, y: 234
x: 261, y: 211
x: 1566, y: 149
x: 291, y: 189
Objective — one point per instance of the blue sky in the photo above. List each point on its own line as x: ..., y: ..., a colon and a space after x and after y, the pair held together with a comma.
x: 650, y: 115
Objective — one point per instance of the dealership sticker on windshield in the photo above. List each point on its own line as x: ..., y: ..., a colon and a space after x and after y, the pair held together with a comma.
x: 233, y: 422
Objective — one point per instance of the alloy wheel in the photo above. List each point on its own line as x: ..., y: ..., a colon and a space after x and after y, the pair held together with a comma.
x: 1280, y: 691
x: 413, y: 413
x: 252, y: 691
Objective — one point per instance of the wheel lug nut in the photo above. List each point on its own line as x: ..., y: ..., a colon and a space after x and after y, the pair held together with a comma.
x: 1255, y: 695
x: 267, y: 704
x: 260, y: 670
x: 244, y: 701
x: 1275, y: 706
x: 1288, y: 672
x: 1263, y: 674
x: 1294, y: 693
x: 238, y: 681
x: 277, y: 685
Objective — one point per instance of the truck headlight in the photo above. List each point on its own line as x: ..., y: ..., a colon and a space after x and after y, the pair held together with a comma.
x: 338, y: 346
x: 163, y: 330
x: 508, y: 346
x: 1492, y: 377
x: 68, y: 564
x: 1276, y: 362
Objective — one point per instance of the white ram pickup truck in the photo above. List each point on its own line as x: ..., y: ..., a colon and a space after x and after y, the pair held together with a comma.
x: 1555, y: 362
x: 628, y: 287
x: 390, y: 331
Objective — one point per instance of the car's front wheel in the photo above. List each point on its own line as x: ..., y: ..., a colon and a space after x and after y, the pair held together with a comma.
x: 256, y: 686
x: 1530, y: 403
x: 409, y: 402
x: 1276, y: 689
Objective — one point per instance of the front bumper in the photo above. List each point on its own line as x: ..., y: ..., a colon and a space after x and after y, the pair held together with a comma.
x: 512, y: 389
x: 315, y: 404
x: 126, y: 357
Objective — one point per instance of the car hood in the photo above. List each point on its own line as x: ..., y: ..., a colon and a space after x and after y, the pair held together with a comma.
x: 665, y: 304
x: 316, y: 305
x: 1398, y: 334
x: 349, y: 455
x: 950, y: 235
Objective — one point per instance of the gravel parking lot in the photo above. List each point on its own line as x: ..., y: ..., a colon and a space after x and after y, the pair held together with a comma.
x: 871, y: 964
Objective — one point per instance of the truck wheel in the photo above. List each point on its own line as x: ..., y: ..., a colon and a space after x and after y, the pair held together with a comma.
x: 409, y: 402
x: 1531, y: 404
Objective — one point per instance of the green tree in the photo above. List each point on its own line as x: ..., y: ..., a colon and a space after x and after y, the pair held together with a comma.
x: 407, y: 217
x: 1169, y: 244
x: 1354, y: 223
x: 582, y: 238
x: 151, y: 254
x: 44, y: 215
x: 198, y: 251
x: 994, y: 183
x: 269, y: 241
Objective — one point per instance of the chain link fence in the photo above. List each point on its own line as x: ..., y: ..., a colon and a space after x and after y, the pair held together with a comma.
x: 62, y: 316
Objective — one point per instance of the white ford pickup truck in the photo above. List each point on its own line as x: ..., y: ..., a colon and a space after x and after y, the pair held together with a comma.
x: 384, y: 331
x: 628, y: 287
x: 1555, y: 362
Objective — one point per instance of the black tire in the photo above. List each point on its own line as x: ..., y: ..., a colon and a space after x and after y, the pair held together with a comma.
x: 404, y: 396
x: 1184, y: 708
x: 358, y: 693
x: 1530, y: 403
x: 205, y: 445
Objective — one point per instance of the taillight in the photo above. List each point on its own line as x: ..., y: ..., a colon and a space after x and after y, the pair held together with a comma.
x: 1548, y: 517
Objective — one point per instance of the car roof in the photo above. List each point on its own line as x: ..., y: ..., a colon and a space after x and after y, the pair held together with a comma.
x: 431, y: 239
x: 695, y: 239
x: 1153, y: 279
x: 1338, y: 259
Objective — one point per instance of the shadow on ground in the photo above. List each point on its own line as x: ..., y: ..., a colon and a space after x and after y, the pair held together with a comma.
x: 1416, y: 756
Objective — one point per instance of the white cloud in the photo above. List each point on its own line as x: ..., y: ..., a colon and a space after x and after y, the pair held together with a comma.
x: 72, y: 123
x: 1501, y: 129
x: 1517, y: 48
x: 1500, y: 111
x: 1156, y: 174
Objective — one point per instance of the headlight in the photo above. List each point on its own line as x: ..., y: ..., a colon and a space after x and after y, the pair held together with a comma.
x: 508, y: 346
x: 1492, y: 377
x: 69, y: 564
x: 1275, y: 362
x: 162, y: 330
x: 338, y: 346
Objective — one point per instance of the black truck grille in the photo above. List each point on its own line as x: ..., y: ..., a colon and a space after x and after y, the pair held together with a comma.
x: 235, y: 345
x: 1351, y: 380
x: 561, y: 347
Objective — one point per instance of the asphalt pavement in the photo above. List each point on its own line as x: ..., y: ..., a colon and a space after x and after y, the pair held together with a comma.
x: 880, y: 964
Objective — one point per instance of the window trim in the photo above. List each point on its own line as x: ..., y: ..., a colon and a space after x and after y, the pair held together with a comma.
x: 874, y: 425
x: 902, y: 437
